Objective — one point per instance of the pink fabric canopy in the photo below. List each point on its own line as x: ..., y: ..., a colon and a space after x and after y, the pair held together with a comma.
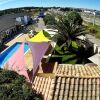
x: 38, y: 50
x: 17, y: 62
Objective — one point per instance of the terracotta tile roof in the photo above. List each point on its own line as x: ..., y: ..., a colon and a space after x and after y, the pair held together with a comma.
x: 65, y: 88
x: 75, y: 82
x: 78, y: 71
x: 71, y: 82
x: 42, y: 85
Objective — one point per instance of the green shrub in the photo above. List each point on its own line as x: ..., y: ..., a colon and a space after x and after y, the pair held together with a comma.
x: 7, y: 76
x: 74, y: 45
x: 93, y: 30
x: 14, y: 87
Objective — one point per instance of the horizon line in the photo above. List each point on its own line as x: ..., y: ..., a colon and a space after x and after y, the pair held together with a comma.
x: 49, y: 7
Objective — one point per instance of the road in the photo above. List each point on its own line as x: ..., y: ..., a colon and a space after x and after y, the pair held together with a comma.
x: 93, y: 39
x: 40, y: 25
x: 88, y: 19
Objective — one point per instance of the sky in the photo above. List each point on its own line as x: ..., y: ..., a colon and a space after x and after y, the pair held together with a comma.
x: 91, y: 4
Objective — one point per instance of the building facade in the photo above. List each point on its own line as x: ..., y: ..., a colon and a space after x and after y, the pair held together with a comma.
x: 12, y: 24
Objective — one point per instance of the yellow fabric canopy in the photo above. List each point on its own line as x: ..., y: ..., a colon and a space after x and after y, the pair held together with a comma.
x: 42, y: 36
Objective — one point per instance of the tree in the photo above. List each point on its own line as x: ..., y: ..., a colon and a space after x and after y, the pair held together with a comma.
x: 68, y: 31
x: 75, y: 18
x: 69, y: 28
x: 49, y: 19
x: 14, y: 87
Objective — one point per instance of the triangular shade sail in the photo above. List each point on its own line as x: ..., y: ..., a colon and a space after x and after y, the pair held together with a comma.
x: 38, y: 51
x: 42, y: 36
x: 95, y: 59
x: 38, y: 45
x: 17, y: 62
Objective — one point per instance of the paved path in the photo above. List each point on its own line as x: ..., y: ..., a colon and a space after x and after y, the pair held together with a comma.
x: 93, y: 39
x: 21, y: 38
x: 41, y: 25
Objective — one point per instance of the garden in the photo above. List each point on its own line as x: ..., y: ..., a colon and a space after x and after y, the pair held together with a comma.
x: 70, y: 49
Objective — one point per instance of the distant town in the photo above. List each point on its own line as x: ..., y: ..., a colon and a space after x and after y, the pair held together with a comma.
x: 30, y: 9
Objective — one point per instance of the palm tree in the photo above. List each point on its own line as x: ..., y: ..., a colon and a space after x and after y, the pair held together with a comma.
x: 68, y: 32
x: 69, y: 41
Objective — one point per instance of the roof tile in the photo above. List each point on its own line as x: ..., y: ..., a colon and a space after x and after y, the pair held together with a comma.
x: 76, y: 88
x: 42, y: 85
x: 78, y: 70
x: 71, y: 82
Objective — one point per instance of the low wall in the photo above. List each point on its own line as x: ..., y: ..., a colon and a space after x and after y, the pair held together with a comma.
x: 48, y: 67
x: 96, y: 48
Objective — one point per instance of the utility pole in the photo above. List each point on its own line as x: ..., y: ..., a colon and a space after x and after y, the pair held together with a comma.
x: 93, y: 18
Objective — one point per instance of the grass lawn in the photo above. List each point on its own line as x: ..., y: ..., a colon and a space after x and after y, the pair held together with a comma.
x: 66, y: 56
x: 69, y: 59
